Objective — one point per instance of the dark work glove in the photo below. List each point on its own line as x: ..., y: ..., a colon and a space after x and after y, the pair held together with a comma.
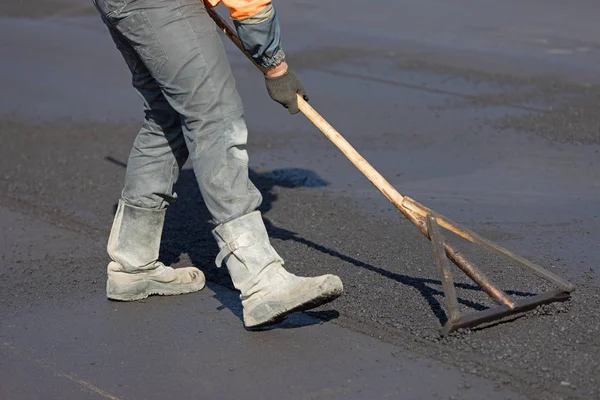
x: 283, y: 90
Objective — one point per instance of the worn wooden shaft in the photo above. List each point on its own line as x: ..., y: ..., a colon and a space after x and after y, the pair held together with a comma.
x: 437, y: 241
x: 359, y: 162
x: 334, y: 136
x: 410, y: 209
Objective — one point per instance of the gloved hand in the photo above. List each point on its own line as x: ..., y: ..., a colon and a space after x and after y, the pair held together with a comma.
x: 283, y: 90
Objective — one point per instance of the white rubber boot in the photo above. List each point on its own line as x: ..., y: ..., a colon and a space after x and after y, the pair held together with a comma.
x: 133, y: 245
x: 268, y: 291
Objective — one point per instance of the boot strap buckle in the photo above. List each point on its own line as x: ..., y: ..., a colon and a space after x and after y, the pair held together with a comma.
x: 245, y: 240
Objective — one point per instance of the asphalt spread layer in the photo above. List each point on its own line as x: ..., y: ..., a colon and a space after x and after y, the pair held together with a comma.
x: 392, y: 290
x: 431, y: 124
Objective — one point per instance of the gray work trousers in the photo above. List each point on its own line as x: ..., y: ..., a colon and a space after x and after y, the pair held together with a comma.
x: 191, y: 105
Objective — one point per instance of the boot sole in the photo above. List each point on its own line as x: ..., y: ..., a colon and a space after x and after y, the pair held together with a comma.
x: 141, y: 290
x: 303, y: 305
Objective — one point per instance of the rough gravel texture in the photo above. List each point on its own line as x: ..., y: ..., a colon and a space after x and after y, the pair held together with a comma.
x: 392, y: 290
x: 507, y: 147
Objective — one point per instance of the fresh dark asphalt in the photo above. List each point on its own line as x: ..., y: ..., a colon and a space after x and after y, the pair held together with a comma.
x: 486, y: 112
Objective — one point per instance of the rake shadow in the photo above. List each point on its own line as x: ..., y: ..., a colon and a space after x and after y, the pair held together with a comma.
x: 187, y: 231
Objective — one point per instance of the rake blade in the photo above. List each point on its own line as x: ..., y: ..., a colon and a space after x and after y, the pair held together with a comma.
x: 507, y: 306
x: 496, y: 313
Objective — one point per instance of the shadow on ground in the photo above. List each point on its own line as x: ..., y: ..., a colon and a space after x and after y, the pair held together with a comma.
x: 188, y: 227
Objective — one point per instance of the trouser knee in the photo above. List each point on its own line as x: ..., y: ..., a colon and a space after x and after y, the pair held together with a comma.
x: 221, y: 162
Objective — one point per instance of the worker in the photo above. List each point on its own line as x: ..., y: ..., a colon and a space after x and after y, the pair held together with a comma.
x: 193, y: 110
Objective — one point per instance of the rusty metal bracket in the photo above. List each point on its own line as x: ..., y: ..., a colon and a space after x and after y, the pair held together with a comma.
x: 509, y: 307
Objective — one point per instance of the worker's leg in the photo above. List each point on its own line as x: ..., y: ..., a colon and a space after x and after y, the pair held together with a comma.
x: 180, y: 45
x: 155, y: 160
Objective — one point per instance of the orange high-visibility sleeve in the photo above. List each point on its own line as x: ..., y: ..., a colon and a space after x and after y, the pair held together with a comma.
x: 239, y: 9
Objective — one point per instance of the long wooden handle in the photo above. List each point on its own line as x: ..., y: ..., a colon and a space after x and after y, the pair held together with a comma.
x: 334, y: 136
x: 413, y: 214
x: 363, y: 165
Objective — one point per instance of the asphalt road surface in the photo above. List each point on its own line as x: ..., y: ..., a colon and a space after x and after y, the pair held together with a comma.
x: 485, y: 111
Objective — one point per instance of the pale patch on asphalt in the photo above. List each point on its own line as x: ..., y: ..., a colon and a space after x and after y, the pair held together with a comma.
x: 83, y: 384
